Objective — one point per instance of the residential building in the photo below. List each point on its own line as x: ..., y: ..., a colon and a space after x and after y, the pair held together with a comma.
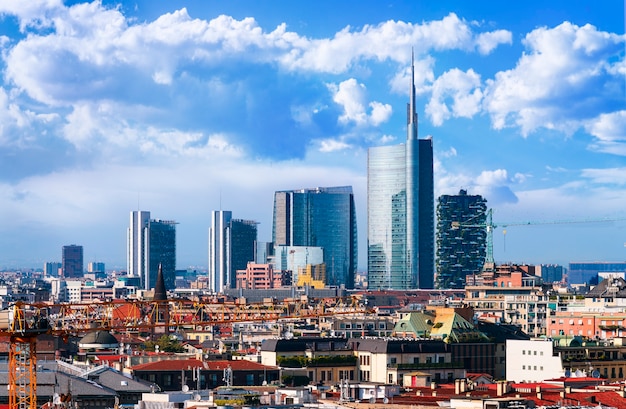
x: 532, y: 360
x: 259, y: 276
x: 322, y: 217
x: 171, y: 375
x: 400, y: 211
x: 72, y: 261
x: 461, y: 238
x: 387, y: 360
x: 232, y: 244
x: 510, y: 295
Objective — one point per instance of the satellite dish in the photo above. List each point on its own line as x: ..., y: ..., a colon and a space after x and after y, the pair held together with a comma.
x: 185, y: 388
x: 197, y: 397
x: 56, y: 399
x: 595, y: 373
x: 568, y: 373
x: 386, y: 400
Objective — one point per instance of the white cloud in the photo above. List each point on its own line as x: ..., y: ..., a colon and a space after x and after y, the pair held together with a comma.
x: 487, y: 42
x: 332, y: 145
x: 609, y: 176
x: 351, y: 96
x: 610, y: 131
x: 559, y: 82
x: 463, y: 88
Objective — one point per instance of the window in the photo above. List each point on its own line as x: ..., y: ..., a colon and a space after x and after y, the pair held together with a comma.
x: 523, y: 366
x: 390, y: 378
x: 393, y: 360
x: 249, y: 379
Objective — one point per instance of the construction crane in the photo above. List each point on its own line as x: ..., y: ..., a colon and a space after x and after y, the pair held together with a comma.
x: 24, y: 322
x: 490, y: 226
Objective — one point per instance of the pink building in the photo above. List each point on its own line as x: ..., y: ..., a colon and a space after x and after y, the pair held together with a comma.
x: 259, y: 276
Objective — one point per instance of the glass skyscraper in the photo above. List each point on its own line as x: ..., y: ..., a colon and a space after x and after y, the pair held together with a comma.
x: 162, y: 252
x: 401, y: 210
x: 232, y: 244
x: 321, y: 217
x: 150, y: 243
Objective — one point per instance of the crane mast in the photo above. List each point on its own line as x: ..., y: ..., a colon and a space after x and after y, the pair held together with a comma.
x: 24, y: 322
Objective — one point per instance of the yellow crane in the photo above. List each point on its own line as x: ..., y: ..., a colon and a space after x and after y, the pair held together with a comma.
x: 24, y: 322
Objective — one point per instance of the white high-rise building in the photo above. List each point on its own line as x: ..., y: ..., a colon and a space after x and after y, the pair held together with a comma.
x: 219, y: 252
x: 138, y: 244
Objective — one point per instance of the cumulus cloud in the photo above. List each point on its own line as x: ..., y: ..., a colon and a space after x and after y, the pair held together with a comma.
x: 462, y: 88
x: 351, y: 96
x: 550, y: 85
x: 487, y: 42
x: 610, y: 131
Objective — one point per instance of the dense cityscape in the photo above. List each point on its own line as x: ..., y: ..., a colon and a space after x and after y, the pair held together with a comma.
x: 376, y: 284
x: 292, y: 322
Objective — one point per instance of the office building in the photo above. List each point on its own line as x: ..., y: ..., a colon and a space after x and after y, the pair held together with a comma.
x: 151, y: 242
x: 587, y: 272
x: 552, y: 273
x: 232, y: 244
x: 52, y: 269
x: 137, y: 255
x: 162, y: 252
x: 72, y: 261
x: 401, y: 211
x: 321, y: 217
x: 461, y: 238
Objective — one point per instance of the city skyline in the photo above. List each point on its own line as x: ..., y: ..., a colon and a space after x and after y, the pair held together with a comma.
x: 184, y: 107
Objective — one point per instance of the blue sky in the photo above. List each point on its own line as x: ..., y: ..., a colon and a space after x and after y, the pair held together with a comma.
x: 183, y: 107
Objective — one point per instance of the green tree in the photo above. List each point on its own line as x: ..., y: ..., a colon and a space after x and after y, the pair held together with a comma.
x: 166, y: 344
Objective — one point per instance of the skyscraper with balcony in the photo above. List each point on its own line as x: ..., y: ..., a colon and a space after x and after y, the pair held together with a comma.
x: 150, y: 243
x: 232, y: 244
x: 461, y: 238
x: 320, y: 217
x: 401, y: 210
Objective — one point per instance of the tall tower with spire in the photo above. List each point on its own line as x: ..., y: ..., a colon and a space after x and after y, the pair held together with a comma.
x: 401, y: 210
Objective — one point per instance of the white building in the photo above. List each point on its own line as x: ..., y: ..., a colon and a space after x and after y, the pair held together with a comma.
x: 138, y: 244
x: 219, y: 240
x: 532, y: 361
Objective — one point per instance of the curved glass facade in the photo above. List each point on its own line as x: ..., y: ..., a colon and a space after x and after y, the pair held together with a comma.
x: 386, y: 217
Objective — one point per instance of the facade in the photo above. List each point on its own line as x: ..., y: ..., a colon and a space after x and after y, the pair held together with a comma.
x: 232, y: 244
x: 322, y: 217
x: 400, y: 211
x: 532, y: 361
x: 461, y: 238
x: 162, y: 249
x: 510, y: 295
x: 582, y: 273
x: 137, y: 248
x: 259, y: 276
x: 52, y: 269
x: 151, y: 242
x: 552, y: 273
x: 296, y: 258
x: 72, y: 261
